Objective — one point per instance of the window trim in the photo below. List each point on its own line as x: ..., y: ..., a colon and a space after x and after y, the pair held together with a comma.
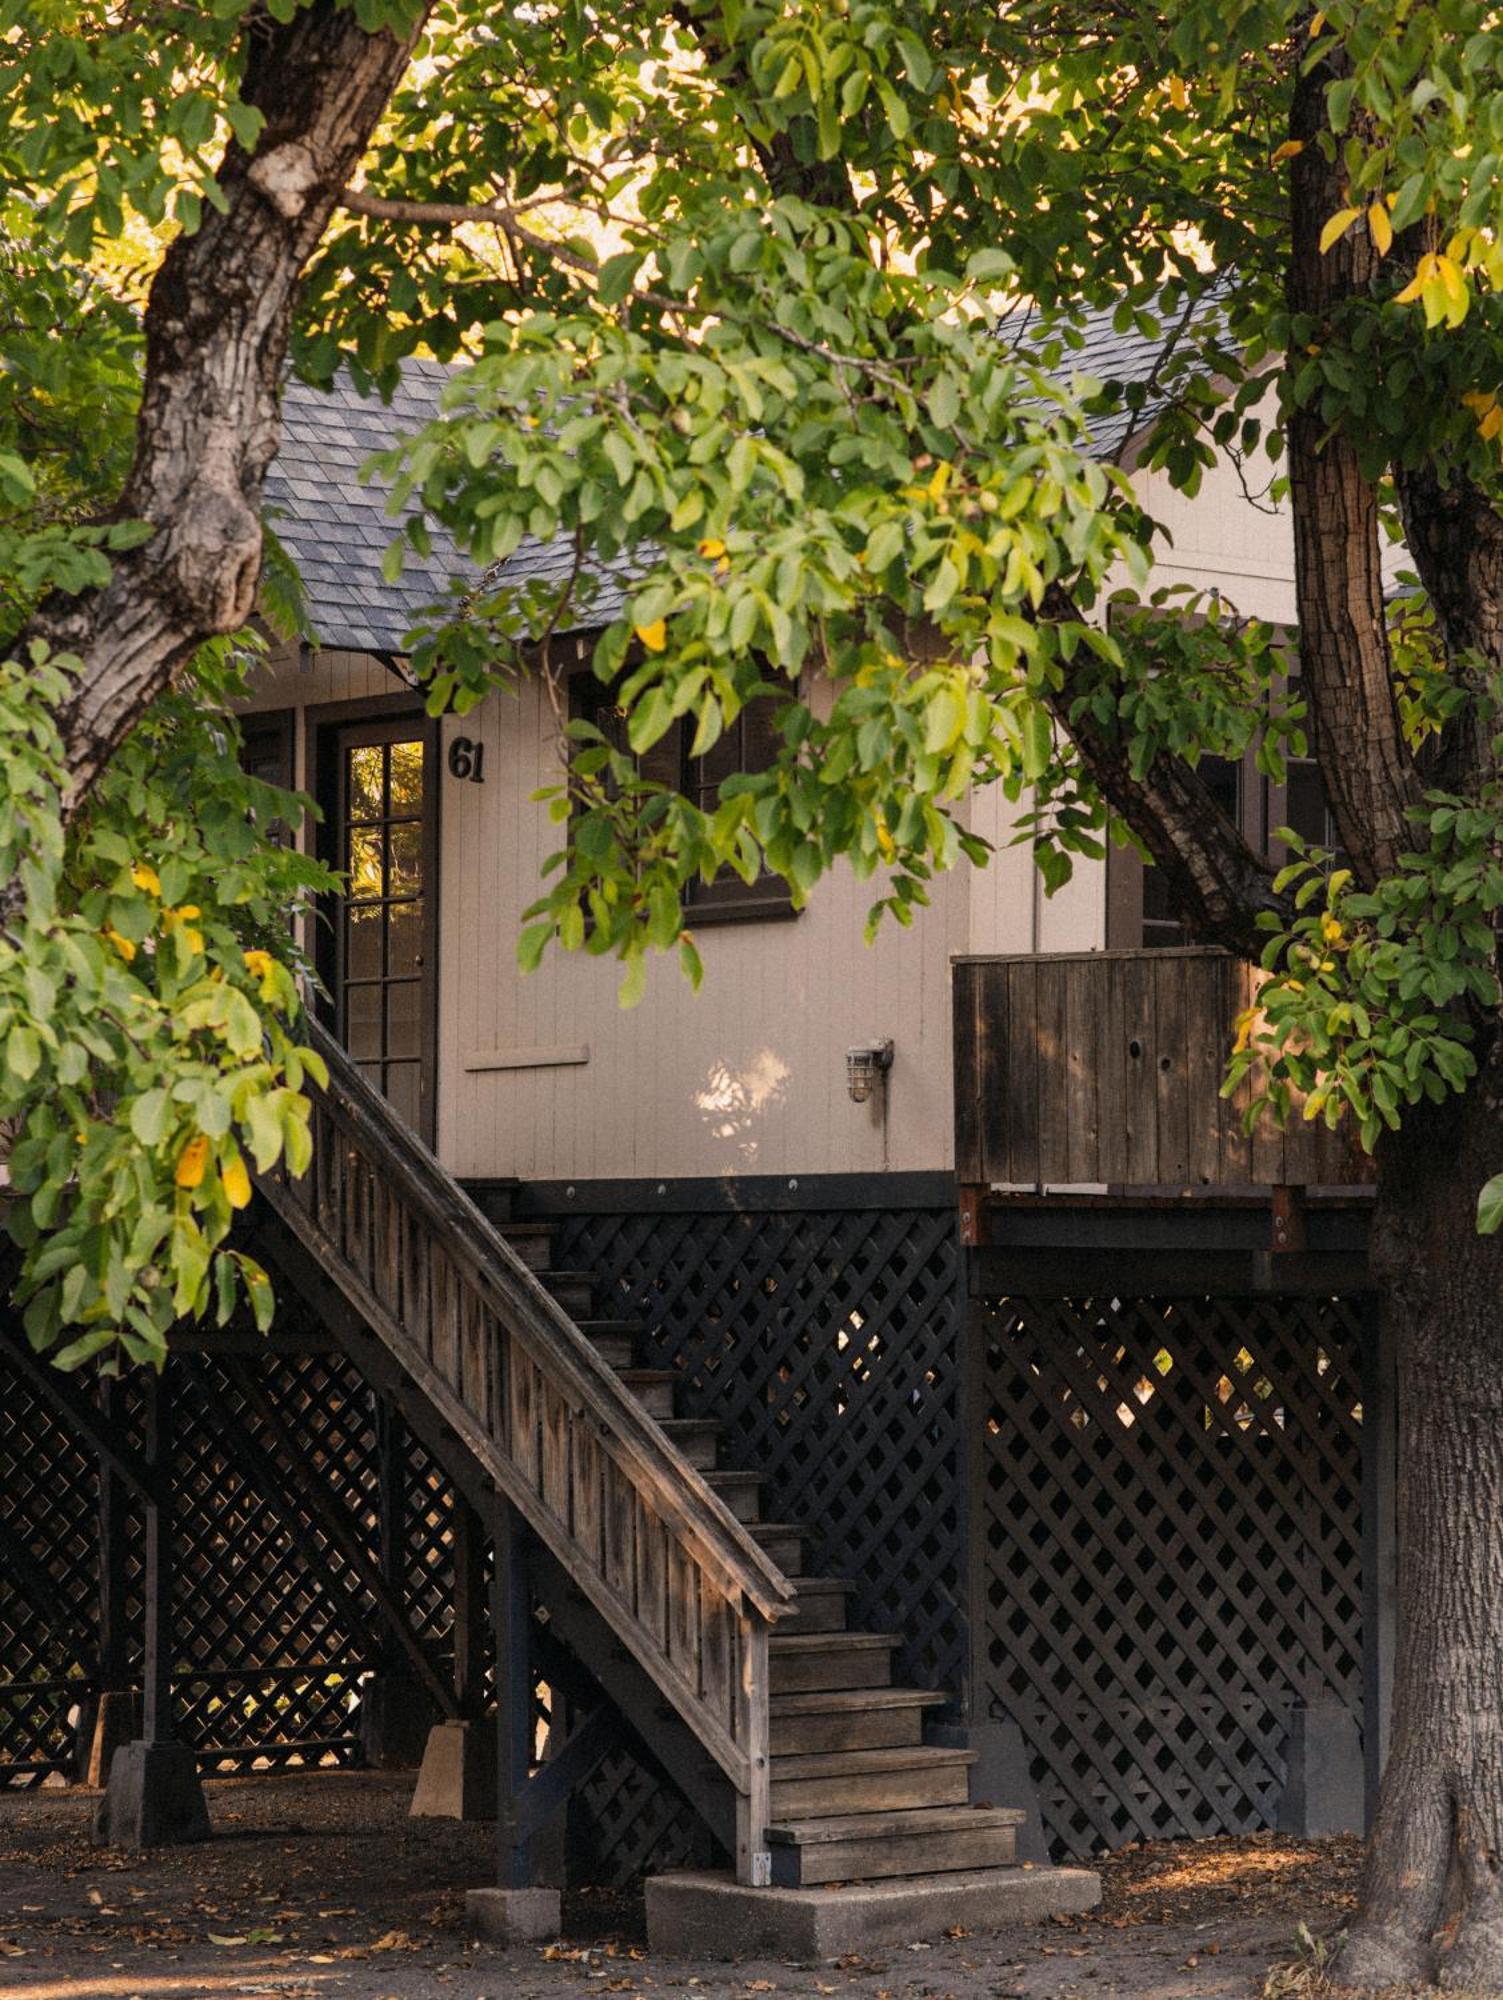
x: 728, y: 899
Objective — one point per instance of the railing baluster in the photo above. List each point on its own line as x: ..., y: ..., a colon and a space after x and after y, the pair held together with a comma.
x: 564, y: 1439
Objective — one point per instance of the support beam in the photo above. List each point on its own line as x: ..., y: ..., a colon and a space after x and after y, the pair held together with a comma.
x: 396, y: 1713
x: 469, y: 1540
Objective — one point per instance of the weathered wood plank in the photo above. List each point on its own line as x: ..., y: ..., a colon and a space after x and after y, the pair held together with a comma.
x: 1105, y: 1069
x: 1140, y: 1071
x: 1171, y: 1097
x: 1051, y: 1039
x: 557, y: 1421
x: 1084, y: 1029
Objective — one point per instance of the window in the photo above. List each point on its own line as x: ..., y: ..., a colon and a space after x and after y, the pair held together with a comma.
x: 748, y: 744
x: 1140, y: 910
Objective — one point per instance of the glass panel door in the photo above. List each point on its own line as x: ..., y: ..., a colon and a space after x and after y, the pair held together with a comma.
x: 382, y: 985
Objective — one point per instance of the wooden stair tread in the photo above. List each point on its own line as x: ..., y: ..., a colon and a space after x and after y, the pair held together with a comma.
x: 819, y: 1586
x: 892, y: 1825
x: 732, y: 1476
x: 644, y: 1378
x: 852, y: 1763
x: 819, y: 1701
x: 593, y: 1328
x: 831, y: 1642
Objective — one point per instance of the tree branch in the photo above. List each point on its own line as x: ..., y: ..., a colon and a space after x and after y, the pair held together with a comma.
x: 1369, y: 776
x: 217, y: 323
x: 1220, y: 885
x: 355, y: 201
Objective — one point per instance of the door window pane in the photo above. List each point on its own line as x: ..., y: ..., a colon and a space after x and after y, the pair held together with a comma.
x: 381, y: 993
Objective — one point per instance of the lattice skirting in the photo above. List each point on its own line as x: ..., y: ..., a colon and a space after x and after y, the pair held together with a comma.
x: 828, y: 1344
x: 1172, y: 1550
x: 272, y: 1641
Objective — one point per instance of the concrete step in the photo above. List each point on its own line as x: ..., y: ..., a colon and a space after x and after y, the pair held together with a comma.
x: 820, y: 1607
x: 783, y: 1542
x: 741, y: 1492
x: 707, y: 1916
x: 849, y: 1719
x: 697, y: 1438
x: 653, y: 1388
x: 869, y: 1781
x: 866, y: 1847
x: 802, y: 1661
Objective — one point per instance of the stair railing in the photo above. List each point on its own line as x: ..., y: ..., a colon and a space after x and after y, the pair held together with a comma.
x: 661, y: 1557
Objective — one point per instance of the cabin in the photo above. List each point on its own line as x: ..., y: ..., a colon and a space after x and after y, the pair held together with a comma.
x: 877, y: 1420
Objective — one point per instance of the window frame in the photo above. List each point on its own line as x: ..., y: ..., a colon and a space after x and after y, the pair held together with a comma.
x: 728, y: 899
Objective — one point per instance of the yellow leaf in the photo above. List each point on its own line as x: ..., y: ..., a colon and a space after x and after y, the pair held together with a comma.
x: 1330, y: 929
x: 123, y: 945
x: 146, y: 878
x: 1337, y: 227
x: 191, y: 1162
x: 1380, y: 228
x: 1290, y: 150
x: 1179, y: 96
x: 258, y: 963
x: 711, y: 547
x: 1492, y: 423
x: 1424, y: 274
x: 654, y: 636
x: 235, y: 1181
x: 940, y: 480
x: 1244, y: 1029
x: 1317, y: 22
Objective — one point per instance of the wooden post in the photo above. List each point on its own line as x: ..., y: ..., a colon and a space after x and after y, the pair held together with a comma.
x: 154, y: 1797
x: 156, y: 1687
x: 110, y: 1718
x: 469, y: 1609
x: 754, y: 1805
x: 511, y: 1619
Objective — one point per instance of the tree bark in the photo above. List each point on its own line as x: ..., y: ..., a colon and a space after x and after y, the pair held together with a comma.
x: 1345, y: 668
x: 217, y: 324
x: 1432, y: 1896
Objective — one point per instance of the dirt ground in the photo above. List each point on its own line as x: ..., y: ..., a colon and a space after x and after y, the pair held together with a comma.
x: 321, y: 1888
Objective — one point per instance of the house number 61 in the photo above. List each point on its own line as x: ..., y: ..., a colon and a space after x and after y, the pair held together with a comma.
x: 467, y: 759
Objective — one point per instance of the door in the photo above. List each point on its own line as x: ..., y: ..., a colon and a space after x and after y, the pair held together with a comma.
x: 380, y: 961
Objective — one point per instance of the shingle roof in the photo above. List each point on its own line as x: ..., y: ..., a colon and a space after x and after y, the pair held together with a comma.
x: 337, y: 529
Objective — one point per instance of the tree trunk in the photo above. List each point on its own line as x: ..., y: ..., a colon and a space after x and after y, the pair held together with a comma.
x: 1432, y: 1896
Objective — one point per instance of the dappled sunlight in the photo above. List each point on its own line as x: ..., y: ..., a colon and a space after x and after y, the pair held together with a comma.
x: 263, y: 1976
x: 734, y: 1101
x: 1218, y: 1866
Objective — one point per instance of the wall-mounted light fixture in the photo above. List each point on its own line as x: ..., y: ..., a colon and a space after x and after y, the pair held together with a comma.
x: 866, y: 1069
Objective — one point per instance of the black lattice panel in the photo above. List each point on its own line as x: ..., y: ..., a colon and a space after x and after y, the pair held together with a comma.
x: 48, y: 1583
x: 827, y: 1344
x: 1172, y: 1523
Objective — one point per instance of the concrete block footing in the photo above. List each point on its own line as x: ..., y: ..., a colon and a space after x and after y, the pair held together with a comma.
x: 458, y: 1775
x: 513, y: 1916
x: 153, y: 1799
x: 712, y: 1916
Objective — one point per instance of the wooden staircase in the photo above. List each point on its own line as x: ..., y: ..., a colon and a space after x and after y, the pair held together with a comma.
x: 817, y: 1767
x: 855, y: 1794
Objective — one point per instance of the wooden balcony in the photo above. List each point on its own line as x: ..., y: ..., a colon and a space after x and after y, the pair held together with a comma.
x: 1103, y: 1070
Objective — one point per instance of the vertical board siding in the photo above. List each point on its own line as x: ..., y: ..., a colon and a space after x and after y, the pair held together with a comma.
x: 1106, y: 1068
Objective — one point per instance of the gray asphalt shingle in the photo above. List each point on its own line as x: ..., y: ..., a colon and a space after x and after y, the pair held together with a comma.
x: 337, y: 530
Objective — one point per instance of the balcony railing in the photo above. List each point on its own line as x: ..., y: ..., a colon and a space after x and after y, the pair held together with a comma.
x: 1104, y: 1070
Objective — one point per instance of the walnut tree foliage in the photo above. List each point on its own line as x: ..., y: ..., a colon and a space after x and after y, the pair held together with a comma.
x: 770, y: 310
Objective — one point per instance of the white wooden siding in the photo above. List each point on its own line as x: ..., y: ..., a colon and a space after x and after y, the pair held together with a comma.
x: 544, y: 1076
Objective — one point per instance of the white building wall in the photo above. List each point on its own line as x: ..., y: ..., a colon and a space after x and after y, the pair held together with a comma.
x: 545, y: 1077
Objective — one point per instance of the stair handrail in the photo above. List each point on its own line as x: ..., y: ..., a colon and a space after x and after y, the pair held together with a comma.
x: 665, y: 1484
